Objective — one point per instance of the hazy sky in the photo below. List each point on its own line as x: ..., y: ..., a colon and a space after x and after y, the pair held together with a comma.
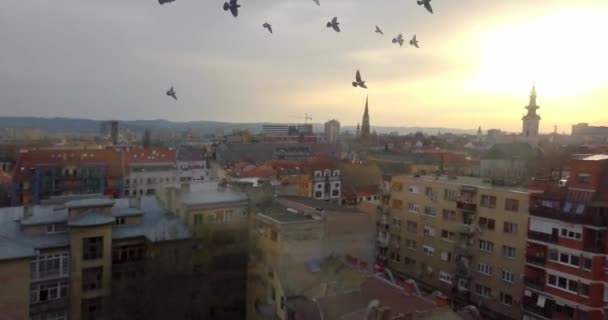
x: 476, y: 65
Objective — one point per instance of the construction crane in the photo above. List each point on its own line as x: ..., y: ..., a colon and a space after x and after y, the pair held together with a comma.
x: 305, y: 117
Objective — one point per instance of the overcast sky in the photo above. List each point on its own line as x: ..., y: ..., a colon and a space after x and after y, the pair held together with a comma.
x: 477, y: 61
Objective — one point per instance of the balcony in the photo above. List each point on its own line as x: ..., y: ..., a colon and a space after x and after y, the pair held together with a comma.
x: 534, y: 283
x: 538, y: 261
x: 463, y: 249
x: 587, y: 217
x: 467, y: 229
x: 466, y: 206
x: 530, y: 305
x: 544, y: 237
x: 595, y: 247
x: 382, y: 241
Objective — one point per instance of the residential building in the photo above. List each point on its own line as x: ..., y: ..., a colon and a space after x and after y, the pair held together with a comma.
x: 91, y: 257
x: 292, y: 231
x: 217, y: 216
x: 567, y: 253
x: 326, y: 180
x: 149, y: 178
x: 458, y: 235
x: 192, y: 165
x: 531, y: 121
x: 332, y: 131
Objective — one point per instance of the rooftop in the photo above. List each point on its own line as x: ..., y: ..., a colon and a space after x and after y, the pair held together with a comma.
x: 90, y: 218
x: 465, y: 181
x: 209, y: 194
x: 317, y: 204
x: 92, y: 202
x: 594, y: 157
x: 281, y: 214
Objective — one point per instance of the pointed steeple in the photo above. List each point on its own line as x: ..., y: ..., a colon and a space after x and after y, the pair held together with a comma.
x: 533, y: 95
x: 479, y: 131
x: 366, y: 112
x: 365, y: 128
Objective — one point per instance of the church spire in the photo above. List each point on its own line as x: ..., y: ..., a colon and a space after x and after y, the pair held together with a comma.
x: 365, y: 128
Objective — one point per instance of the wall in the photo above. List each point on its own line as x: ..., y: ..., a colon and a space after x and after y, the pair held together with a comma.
x: 15, y: 289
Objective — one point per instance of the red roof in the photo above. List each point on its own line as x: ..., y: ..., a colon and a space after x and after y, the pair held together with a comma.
x: 263, y: 171
x: 322, y: 163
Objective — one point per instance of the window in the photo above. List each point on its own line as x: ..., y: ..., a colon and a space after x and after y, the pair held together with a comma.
x: 506, y: 299
x: 56, y: 228
x: 448, y: 235
x: 488, y: 201
x: 486, y: 223
x: 282, y: 302
x: 449, y: 215
x: 397, y: 222
x: 562, y: 283
x: 428, y: 250
x: 428, y: 191
x: 50, y: 266
x: 570, y: 234
x: 198, y: 219
x: 395, y: 257
x: 564, y: 258
x: 414, y: 189
x: 397, y: 186
x: 51, y: 315
x: 445, y: 277
x: 510, y: 228
x: 583, y: 177
x: 273, y: 294
x: 397, y: 204
x: 413, y: 208
x: 430, y: 211
x: 119, y: 220
x: 484, y: 268
x: 48, y: 291
x: 92, y: 248
x: 511, y: 205
x: 274, y: 235
x: 91, y: 278
x: 429, y: 231
x: 587, y: 263
x: 412, y: 227
x: 91, y: 308
x: 408, y: 260
x: 446, y: 256
x: 507, y: 276
x: 483, y: 291
x: 508, y: 252
x: 127, y: 253
x: 584, y: 289
x: 450, y: 195
x: 318, y: 194
x: 486, y: 246
x: 410, y: 244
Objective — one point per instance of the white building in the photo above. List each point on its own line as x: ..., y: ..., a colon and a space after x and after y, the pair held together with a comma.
x: 192, y: 166
x: 327, y: 184
x: 148, y: 178
x: 332, y: 131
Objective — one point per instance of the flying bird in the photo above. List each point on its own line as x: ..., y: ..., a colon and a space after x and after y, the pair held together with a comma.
x: 171, y: 93
x: 427, y: 5
x: 267, y: 26
x: 399, y: 40
x: 378, y: 30
x: 414, y: 42
x: 161, y: 2
x: 317, y: 2
x: 358, y: 82
x: 233, y: 7
x: 334, y: 24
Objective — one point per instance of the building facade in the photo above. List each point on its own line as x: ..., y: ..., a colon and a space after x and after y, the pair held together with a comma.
x: 326, y: 182
x: 460, y: 236
x: 332, y: 131
x: 567, y: 255
x: 192, y: 166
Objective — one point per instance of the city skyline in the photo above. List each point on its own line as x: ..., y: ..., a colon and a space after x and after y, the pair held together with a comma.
x: 473, y: 69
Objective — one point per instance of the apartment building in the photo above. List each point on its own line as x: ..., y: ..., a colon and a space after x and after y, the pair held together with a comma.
x: 292, y: 232
x: 567, y: 256
x: 74, y: 259
x: 192, y: 165
x: 461, y: 236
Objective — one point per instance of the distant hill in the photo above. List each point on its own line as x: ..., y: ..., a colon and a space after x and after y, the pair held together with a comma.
x: 88, y: 126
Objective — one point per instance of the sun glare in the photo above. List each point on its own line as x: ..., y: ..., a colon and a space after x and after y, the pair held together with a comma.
x: 563, y: 53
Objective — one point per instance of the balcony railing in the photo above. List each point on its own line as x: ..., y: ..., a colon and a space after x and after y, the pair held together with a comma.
x: 586, y: 217
x: 539, y: 261
x: 382, y: 241
x: 463, y: 249
x: 595, y: 247
x: 467, y: 206
x: 466, y: 228
x: 534, y: 283
x: 544, y: 237
x: 530, y: 305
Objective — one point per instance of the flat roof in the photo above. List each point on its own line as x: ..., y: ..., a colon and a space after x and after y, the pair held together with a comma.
x: 92, y: 202
x: 465, y: 181
x: 91, y: 218
x: 208, y: 194
x: 318, y: 204
x: 281, y: 214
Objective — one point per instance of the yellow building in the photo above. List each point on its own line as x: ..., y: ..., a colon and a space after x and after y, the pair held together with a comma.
x: 461, y: 236
x: 72, y: 259
x: 292, y: 231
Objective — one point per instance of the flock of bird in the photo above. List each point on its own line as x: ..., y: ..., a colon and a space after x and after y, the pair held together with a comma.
x: 233, y: 7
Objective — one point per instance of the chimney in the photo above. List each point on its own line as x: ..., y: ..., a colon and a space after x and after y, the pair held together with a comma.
x: 383, y: 313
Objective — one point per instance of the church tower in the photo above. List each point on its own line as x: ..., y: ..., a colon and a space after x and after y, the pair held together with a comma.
x: 531, y: 120
x: 365, y: 130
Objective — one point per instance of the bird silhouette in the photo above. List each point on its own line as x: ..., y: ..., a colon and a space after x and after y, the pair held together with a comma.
x: 426, y: 4
x: 399, y: 40
x: 233, y: 7
x: 317, y: 2
x: 358, y: 82
x: 378, y: 30
x: 171, y: 93
x: 414, y: 42
x: 161, y: 2
x: 267, y: 26
x: 334, y: 24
